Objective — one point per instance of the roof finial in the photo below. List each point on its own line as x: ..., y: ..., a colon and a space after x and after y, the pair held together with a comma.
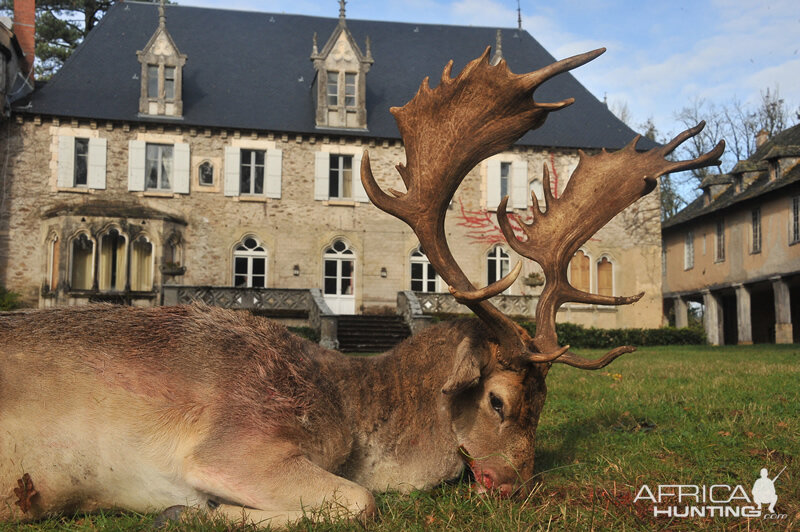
x: 341, y: 9
x: 498, y: 48
x: 162, y: 18
x: 519, y: 16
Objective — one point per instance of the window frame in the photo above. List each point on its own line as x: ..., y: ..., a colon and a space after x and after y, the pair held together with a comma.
x: 77, y: 171
x: 253, y: 167
x: 161, y: 147
x: 688, y: 250
x: 498, y: 264
x: 429, y: 284
x: 719, y: 241
x: 92, y: 260
x: 794, y: 221
x: 250, y: 254
x: 756, y: 236
x: 342, y: 178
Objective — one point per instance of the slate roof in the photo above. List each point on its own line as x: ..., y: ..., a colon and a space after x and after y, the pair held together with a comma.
x: 786, y: 143
x: 248, y: 70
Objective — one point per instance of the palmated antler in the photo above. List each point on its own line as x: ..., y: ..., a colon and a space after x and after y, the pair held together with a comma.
x: 447, y: 131
x: 601, y: 186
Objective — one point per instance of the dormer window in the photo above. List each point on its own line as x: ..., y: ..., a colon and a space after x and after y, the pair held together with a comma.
x: 162, y: 68
x: 341, y: 80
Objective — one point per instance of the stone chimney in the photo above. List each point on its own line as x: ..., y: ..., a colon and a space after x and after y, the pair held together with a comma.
x: 25, y: 30
x: 761, y: 138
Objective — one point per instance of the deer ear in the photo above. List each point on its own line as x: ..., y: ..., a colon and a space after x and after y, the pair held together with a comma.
x: 466, y: 368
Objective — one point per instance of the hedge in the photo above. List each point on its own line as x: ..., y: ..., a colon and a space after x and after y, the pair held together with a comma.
x: 9, y: 300
x: 579, y: 336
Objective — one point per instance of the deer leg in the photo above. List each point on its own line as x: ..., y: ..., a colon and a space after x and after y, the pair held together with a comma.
x: 280, y: 492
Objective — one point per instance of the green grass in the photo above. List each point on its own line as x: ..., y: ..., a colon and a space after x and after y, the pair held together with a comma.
x: 664, y: 415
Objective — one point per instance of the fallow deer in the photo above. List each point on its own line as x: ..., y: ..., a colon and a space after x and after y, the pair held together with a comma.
x: 143, y: 409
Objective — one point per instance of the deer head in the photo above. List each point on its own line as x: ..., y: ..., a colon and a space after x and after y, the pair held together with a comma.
x: 447, y: 131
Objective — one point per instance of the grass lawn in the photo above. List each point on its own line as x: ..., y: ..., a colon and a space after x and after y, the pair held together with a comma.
x: 665, y: 415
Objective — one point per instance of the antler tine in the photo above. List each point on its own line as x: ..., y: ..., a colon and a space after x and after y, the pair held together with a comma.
x: 534, y: 79
x: 576, y: 361
x: 555, y: 235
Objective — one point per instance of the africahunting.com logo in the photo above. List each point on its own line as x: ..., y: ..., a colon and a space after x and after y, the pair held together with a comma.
x: 717, y: 500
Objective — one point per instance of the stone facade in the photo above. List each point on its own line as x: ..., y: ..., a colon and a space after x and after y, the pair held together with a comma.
x: 295, y: 229
x: 736, y: 251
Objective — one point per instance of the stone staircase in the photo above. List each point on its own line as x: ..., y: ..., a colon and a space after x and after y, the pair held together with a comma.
x: 371, y: 334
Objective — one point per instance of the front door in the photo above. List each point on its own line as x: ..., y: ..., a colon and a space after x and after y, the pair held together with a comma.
x: 339, y: 278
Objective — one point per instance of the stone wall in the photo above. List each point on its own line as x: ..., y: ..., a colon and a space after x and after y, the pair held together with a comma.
x: 295, y: 229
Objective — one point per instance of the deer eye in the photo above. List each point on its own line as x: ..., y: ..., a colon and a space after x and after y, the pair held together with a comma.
x: 497, y: 405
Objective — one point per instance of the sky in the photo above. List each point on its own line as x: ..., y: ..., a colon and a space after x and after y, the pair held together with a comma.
x: 662, y: 56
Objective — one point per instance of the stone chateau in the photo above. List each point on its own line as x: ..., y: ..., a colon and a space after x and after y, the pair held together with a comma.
x: 189, y: 152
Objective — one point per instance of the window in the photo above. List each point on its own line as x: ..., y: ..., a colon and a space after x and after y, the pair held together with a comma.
x: 794, y: 230
x: 158, y: 167
x: 152, y: 81
x: 719, y: 249
x: 142, y: 264
x: 173, y: 253
x: 579, y: 272
x: 81, y: 162
x: 251, y: 176
x: 498, y: 264
x: 605, y: 277
x: 423, y: 276
x: 339, y: 269
x: 206, y: 174
x: 81, y: 262
x: 349, y: 89
x: 250, y: 264
x: 341, y: 177
x: 169, y: 83
x: 507, y: 178
x: 688, y: 251
x: 505, y: 174
x: 756, y: 222
x: 333, y: 88
x: 111, y: 268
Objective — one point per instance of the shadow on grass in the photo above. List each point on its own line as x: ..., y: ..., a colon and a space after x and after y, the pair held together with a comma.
x: 571, y: 434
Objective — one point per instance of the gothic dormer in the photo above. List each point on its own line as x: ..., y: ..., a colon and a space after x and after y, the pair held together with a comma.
x: 162, y: 73
x: 341, y: 79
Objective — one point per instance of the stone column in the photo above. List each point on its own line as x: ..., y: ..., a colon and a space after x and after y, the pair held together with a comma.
x: 743, y: 322
x: 681, y: 312
x: 783, y: 311
x: 712, y: 318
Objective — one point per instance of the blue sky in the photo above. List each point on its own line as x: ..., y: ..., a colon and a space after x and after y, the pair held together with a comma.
x: 661, y: 56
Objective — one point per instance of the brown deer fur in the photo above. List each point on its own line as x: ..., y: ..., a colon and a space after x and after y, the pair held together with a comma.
x: 147, y: 408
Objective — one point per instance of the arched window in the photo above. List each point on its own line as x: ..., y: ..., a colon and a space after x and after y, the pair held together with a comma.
x: 339, y: 266
x: 205, y: 174
x: 111, y: 269
x: 423, y: 276
x: 142, y: 264
x: 53, y: 257
x: 579, y: 271
x: 498, y: 264
x: 81, y: 262
x: 605, y: 277
x: 173, y: 252
x: 250, y: 264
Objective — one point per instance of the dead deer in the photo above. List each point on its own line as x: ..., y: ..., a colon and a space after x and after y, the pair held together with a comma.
x: 144, y: 409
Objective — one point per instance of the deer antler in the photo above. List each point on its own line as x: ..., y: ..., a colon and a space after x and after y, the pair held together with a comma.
x: 601, y: 186
x: 447, y: 131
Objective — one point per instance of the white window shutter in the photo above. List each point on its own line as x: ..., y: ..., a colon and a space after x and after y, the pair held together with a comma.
x: 136, y: 163
x: 492, y: 183
x: 232, y: 162
x: 274, y: 162
x: 322, y: 162
x: 182, y: 168
x: 66, y: 161
x: 96, y: 177
x: 519, y: 184
x: 359, y: 194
